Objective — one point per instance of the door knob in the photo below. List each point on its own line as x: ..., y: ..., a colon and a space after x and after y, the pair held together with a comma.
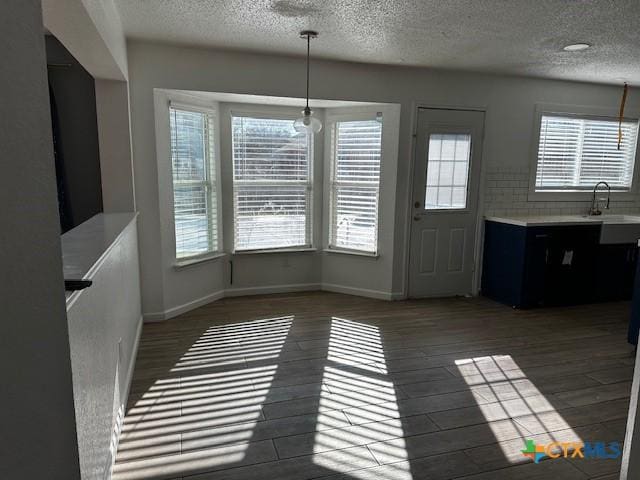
x: 416, y: 218
x: 417, y: 204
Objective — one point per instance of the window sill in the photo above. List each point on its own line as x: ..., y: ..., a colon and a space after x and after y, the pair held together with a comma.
x: 351, y: 252
x: 275, y: 250
x: 186, y: 262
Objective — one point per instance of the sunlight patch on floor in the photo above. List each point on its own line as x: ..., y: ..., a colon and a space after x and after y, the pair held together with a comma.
x: 356, y: 375
x: 210, y: 393
x: 503, y: 392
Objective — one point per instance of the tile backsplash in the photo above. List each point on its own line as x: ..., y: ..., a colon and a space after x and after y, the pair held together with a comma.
x: 506, y: 193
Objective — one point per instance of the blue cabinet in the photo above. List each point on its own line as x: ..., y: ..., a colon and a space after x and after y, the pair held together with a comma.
x: 531, y: 266
x: 634, y: 323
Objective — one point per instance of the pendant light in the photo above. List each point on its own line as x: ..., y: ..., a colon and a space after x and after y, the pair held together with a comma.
x: 308, y: 123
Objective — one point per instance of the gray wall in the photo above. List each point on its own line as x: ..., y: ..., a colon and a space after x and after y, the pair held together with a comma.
x: 509, y: 101
x: 114, y: 135
x: 38, y: 422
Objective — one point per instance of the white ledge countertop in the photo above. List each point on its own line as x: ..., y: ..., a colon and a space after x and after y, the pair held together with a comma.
x: 560, y: 220
x: 85, y: 245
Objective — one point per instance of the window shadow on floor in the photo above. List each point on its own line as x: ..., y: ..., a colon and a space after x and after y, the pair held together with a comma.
x: 323, y: 385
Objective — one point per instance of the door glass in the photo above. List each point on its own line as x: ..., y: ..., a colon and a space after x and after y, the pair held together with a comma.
x: 447, y: 171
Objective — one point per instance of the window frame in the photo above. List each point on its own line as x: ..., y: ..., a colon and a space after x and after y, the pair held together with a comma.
x: 164, y: 101
x: 577, y: 111
x: 310, y: 192
x: 330, y: 160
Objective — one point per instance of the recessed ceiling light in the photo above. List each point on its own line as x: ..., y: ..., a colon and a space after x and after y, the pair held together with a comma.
x: 576, y: 47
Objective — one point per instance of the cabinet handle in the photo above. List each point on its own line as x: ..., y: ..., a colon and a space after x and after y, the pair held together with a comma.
x: 542, y: 235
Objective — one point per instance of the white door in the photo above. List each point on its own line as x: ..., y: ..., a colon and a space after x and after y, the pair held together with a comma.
x: 445, y: 202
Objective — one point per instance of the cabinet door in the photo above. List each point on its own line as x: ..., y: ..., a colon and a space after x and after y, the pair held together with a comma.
x: 615, y: 271
x: 568, y: 271
x: 535, y: 271
x: 503, y: 262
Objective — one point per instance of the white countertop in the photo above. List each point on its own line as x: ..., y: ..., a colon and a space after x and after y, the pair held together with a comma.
x: 551, y: 220
x: 84, y: 246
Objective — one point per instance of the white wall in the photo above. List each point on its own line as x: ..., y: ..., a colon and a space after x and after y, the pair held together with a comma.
x: 91, y: 30
x: 104, y: 327
x: 38, y: 420
x: 249, y: 273
x: 509, y: 102
x: 361, y: 274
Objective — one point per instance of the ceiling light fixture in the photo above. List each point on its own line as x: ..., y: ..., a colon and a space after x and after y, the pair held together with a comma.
x: 308, y: 123
x: 576, y: 47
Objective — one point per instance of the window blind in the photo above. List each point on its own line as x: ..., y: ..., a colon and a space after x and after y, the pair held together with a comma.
x: 195, y: 203
x: 355, y: 185
x: 576, y: 153
x: 271, y: 184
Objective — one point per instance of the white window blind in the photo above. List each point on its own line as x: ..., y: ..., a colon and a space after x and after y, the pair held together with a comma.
x: 271, y: 184
x: 355, y: 185
x: 576, y: 153
x: 195, y: 203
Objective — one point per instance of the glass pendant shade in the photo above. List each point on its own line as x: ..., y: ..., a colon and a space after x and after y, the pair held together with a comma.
x: 307, y: 123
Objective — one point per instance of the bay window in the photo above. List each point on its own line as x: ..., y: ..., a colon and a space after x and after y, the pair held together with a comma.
x: 272, y: 184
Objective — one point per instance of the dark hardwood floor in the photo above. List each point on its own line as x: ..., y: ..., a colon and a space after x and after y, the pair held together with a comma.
x: 311, y: 385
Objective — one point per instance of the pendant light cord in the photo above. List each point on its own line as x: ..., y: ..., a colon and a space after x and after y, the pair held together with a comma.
x: 308, y: 54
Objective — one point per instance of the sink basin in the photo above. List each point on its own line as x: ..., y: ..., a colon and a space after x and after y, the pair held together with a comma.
x: 617, y: 229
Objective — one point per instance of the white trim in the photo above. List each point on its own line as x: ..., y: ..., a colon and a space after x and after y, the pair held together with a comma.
x: 123, y: 398
x: 275, y: 250
x: 346, y: 251
x: 300, y: 287
x: 164, y: 100
x: 188, y: 261
x: 272, y: 113
x: 134, y: 354
x: 185, y: 307
x: 262, y: 114
x: 360, y: 292
x: 578, y: 111
x: 332, y: 118
x: 292, y: 288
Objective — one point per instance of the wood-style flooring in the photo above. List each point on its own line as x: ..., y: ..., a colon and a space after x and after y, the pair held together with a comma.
x: 322, y: 385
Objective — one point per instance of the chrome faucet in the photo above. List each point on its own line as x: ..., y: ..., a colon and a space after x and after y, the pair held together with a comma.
x: 595, y: 207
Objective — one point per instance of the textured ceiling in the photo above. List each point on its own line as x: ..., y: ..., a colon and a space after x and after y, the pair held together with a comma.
x: 523, y: 37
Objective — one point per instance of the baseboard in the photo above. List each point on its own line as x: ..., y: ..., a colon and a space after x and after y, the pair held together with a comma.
x: 184, y: 308
x: 360, y: 292
x: 298, y: 287
x: 134, y: 354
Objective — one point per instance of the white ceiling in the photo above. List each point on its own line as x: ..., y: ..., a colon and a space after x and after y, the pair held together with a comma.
x: 523, y: 37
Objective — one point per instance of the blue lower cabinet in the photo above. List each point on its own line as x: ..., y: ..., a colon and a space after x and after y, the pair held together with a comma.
x: 532, y: 266
x: 634, y: 323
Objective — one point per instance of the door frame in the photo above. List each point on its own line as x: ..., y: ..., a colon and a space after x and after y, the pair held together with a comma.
x: 479, y: 240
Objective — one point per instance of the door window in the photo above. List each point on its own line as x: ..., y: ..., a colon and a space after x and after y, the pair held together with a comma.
x: 447, y: 171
